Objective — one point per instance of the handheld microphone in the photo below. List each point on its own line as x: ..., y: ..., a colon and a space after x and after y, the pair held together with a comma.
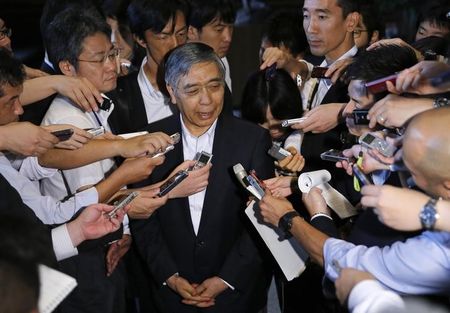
x: 241, y: 174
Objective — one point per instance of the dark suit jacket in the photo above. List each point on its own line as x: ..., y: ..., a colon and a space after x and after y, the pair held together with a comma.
x: 225, y: 245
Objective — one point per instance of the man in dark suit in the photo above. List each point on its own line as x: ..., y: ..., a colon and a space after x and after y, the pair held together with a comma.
x: 199, y: 248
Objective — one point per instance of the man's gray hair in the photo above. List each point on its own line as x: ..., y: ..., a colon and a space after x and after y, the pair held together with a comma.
x: 182, y: 58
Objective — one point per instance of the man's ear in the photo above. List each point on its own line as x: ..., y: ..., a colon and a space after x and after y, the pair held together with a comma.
x: 352, y: 21
x: 375, y: 37
x: 193, y: 34
x: 173, y: 99
x: 140, y: 41
x: 67, y: 68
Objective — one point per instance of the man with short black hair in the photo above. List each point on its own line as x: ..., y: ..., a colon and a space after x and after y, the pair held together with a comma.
x: 211, y: 22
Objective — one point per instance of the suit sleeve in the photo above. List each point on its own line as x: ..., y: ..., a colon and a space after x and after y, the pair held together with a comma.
x: 244, y: 261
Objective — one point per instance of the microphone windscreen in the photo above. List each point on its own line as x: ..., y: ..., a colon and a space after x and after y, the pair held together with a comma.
x: 240, y: 173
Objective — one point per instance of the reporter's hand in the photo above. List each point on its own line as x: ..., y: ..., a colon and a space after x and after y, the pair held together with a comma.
x: 292, y: 163
x: 417, y: 79
x: 348, y: 279
x: 94, y: 223
x: 280, y: 186
x: 272, y: 209
x: 398, y: 208
x: 143, y: 145
x: 315, y: 202
x: 76, y: 141
x: 115, y: 252
x: 336, y: 69
x: 321, y: 118
x: 395, y: 111
x: 80, y: 90
x: 147, y: 202
x: 195, y: 182
x: 26, y: 139
x: 133, y: 170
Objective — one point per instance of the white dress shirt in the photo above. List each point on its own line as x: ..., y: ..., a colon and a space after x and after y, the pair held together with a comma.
x: 369, y: 296
x: 325, y: 84
x: 157, y: 106
x: 48, y: 209
x: 191, y: 146
x: 420, y: 265
x: 63, y: 111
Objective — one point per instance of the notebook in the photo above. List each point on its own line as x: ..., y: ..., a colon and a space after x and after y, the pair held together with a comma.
x: 55, y: 286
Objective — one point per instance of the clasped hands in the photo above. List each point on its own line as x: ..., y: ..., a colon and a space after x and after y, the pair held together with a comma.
x: 200, y: 295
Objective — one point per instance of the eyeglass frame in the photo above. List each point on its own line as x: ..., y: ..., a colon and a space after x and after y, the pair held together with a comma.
x: 5, y: 32
x: 114, y: 53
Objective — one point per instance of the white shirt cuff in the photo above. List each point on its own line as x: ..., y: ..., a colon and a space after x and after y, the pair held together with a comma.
x: 226, y: 283
x: 62, y: 243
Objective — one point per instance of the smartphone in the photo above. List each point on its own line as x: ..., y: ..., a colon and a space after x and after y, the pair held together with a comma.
x: 256, y: 183
x: 371, y: 142
x: 176, y: 139
x: 96, y: 131
x: 122, y: 203
x: 172, y: 182
x: 363, y: 178
x: 63, y: 134
x: 360, y: 117
x: 334, y: 155
x: 292, y: 121
x: 270, y: 71
x: 379, y: 85
x: 319, y: 72
x: 277, y: 152
x: 201, y: 159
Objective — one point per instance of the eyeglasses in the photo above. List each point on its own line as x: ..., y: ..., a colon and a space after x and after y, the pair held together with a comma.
x: 357, y: 32
x: 5, y: 32
x: 112, y: 56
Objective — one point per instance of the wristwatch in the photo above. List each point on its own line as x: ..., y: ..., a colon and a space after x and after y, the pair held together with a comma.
x: 440, y: 102
x: 285, y: 222
x: 428, y: 215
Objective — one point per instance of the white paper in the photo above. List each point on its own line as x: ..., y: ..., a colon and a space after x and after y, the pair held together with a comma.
x: 55, y: 286
x: 288, y: 253
x: 334, y: 199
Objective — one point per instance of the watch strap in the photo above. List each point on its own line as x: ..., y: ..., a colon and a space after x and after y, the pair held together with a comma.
x: 285, y: 222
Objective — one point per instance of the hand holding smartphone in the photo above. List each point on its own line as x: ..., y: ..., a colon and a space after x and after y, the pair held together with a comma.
x: 334, y: 155
x: 122, y: 203
x: 172, y: 182
x: 63, y: 134
x: 371, y: 142
x: 277, y: 152
x: 176, y: 139
x: 201, y: 159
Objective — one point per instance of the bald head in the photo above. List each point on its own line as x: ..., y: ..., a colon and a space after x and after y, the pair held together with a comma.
x: 426, y: 145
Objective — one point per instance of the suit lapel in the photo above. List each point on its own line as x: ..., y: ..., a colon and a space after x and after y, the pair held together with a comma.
x: 215, y: 191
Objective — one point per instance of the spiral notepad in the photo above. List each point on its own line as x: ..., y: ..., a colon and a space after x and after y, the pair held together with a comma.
x: 55, y: 286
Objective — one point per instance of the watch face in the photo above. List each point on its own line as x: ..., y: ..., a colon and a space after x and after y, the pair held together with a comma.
x: 428, y: 216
